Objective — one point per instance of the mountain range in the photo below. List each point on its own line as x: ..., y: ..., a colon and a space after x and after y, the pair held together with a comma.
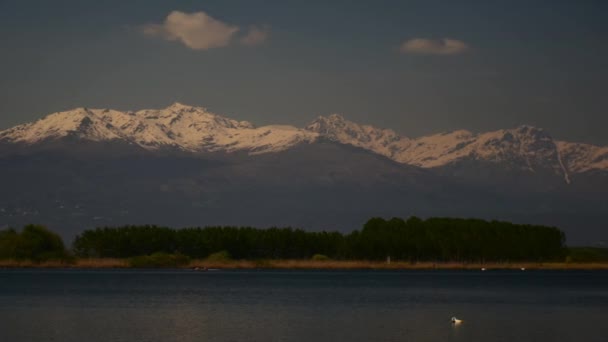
x: 184, y: 165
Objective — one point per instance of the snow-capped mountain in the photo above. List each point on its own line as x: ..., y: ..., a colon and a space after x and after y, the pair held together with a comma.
x: 525, y: 148
x: 195, y: 129
x: 184, y: 127
x: 382, y: 141
x: 580, y: 158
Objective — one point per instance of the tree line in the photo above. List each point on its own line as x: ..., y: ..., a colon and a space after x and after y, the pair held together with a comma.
x: 414, y: 239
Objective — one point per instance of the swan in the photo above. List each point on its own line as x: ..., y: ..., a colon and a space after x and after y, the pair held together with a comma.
x: 456, y: 320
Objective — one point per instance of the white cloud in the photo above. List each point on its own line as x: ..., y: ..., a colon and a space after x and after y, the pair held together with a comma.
x: 255, y: 36
x: 425, y: 46
x: 198, y: 30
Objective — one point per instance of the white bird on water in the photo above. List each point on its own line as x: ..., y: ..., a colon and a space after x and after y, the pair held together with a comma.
x: 456, y: 320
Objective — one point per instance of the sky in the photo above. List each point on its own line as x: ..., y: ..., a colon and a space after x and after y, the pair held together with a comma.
x: 418, y: 67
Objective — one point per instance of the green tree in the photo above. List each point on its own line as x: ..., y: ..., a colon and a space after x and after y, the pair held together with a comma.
x: 35, y: 243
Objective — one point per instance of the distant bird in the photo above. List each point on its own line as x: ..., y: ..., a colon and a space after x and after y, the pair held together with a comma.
x: 483, y: 268
x: 456, y: 320
x: 523, y: 268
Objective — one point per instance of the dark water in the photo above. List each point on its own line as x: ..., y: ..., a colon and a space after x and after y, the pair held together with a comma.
x: 71, y: 305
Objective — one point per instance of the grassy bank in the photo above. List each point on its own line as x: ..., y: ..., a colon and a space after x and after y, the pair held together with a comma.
x: 312, y: 264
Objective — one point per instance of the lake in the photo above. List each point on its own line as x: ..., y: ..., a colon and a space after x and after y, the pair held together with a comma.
x: 259, y: 305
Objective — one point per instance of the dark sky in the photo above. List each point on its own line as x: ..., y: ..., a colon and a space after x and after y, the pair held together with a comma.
x: 386, y: 63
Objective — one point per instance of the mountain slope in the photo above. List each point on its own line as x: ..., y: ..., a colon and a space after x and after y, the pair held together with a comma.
x: 579, y: 158
x: 184, y: 166
x: 315, y: 186
x: 177, y: 126
x: 382, y: 141
x: 524, y: 149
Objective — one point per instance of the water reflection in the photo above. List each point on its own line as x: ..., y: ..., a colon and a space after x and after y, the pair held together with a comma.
x: 301, y: 306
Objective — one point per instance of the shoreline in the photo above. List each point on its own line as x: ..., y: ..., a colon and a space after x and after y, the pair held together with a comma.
x: 309, y: 265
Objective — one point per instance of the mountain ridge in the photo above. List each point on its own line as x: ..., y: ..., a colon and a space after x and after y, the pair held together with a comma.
x: 195, y: 129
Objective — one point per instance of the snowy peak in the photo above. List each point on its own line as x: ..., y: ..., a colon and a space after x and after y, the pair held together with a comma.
x: 79, y: 122
x: 528, y: 143
x: 176, y: 106
x: 579, y: 157
x: 336, y: 128
x: 525, y: 147
x: 330, y: 125
x: 522, y: 148
x: 178, y: 112
x: 177, y: 126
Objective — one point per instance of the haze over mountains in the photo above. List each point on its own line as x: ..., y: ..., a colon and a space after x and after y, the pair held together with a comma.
x: 183, y: 165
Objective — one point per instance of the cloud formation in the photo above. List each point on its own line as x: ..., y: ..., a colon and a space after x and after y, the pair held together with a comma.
x: 423, y: 46
x: 255, y: 36
x: 200, y: 31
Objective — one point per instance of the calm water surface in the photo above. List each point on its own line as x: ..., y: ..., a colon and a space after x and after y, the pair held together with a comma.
x: 132, y: 305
